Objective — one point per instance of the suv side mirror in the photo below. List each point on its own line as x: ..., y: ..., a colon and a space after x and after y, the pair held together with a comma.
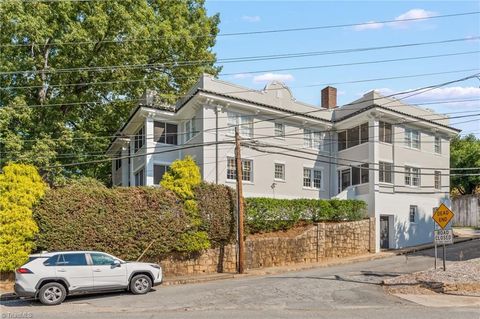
x: 116, y: 263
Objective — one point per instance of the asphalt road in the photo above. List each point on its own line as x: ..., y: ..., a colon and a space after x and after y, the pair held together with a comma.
x: 347, y: 291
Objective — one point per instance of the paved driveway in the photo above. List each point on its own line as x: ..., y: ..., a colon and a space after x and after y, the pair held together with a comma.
x: 347, y: 291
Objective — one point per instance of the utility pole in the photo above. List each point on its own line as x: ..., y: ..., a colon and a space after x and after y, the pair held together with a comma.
x: 238, y: 165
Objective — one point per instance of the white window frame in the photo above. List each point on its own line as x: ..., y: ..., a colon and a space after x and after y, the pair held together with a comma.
x: 380, y: 170
x: 412, y: 174
x: 311, y: 177
x: 282, y: 178
x: 413, y: 211
x: 313, y: 139
x: 231, y: 160
x: 437, y: 145
x: 279, y: 132
x: 190, y: 129
x: 437, y: 180
x: 410, y: 140
x: 383, y: 136
x: 244, y: 123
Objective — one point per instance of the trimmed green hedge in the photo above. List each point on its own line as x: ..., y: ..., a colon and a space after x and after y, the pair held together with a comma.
x: 85, y: 215
x: 122, y: 221
x: 268, y: 214
x: 217, y: 208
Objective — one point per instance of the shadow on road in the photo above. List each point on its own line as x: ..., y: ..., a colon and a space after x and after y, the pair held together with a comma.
x: 17, y: 302
x: 362, y: 277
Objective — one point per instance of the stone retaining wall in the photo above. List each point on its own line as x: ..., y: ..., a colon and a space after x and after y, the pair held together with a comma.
x: 315, y: 243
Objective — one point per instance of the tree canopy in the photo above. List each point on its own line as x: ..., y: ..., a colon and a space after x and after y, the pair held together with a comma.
x: 465, y: 152
x: 71, y: 71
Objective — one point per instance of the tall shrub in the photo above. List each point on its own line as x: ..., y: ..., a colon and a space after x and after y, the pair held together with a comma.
x: 216, y: 206
x: 20, y: 187
x: 86, y: 215
x: 182, y: 178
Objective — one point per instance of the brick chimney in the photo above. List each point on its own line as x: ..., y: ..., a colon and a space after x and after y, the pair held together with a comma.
x: 329, y: 97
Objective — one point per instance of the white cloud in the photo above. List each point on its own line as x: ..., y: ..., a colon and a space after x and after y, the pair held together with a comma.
x: 449, y: 93
x: 411, y: 14
x: 268, y: 77
x: 251, y: 18
x: 242, y: 76
x: 370, y: 25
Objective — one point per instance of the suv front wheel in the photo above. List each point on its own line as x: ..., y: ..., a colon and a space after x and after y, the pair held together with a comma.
x: 52, y: 294
x: 140, y: 284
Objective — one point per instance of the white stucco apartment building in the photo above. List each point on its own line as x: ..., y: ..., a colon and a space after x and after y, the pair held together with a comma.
x: 390, y: 154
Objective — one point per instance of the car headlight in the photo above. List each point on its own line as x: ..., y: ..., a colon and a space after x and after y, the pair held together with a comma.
x: 155, y: 266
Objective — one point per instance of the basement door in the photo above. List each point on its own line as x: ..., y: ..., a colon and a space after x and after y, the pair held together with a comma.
x: 384, y: 235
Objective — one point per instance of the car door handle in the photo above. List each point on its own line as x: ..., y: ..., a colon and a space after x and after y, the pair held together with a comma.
x: 61, y: 270
x: 96, y: 270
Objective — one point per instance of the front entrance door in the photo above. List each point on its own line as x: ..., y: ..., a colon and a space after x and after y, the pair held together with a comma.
x: 384, y: 235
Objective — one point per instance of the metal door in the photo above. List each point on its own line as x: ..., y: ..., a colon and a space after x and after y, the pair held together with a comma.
x: 384, y: 235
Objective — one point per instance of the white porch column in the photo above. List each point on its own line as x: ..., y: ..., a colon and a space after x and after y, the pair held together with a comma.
x: 125, y: 167
x: 149, y: 149
x: 130, y: 169
x: 373, y: 150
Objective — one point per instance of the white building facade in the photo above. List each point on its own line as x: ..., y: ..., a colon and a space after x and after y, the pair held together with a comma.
x: 392, y: 155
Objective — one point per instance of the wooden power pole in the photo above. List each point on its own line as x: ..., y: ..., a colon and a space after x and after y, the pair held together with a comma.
x: 238, y: 166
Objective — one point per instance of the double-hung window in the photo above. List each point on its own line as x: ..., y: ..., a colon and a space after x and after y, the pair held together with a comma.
x: 279, y: 171
x: 438, y: 145
x: 385, y: 131
x: 190, y: 128
x: 312, y: 178
x: 312, y: 139
x: 244, y: 122
x: 385, y: 172
x: 412, y: 176
x: 413, y: 213
x: 438, y: 180
x: 279, y: 130
x: 247, y: 169
x: 412, y: 138
x: 139, y: 139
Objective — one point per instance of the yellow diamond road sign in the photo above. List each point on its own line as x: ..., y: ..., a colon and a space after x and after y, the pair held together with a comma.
x: 442, y: 216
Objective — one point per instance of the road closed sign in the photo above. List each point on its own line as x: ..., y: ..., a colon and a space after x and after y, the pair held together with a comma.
x: 442, y: 216
x: 444, y: 236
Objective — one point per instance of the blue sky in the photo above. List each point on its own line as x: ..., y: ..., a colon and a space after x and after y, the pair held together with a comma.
x: 244, y: 16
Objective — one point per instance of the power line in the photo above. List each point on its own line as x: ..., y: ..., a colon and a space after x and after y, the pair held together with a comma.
x: 233, y: 59
x: 333, y: 141
x: 351, y: 104
x: 262, y: 71
x: 418, y: 91
x: 257, y: 135
x: 226, y: 142
x: 341, y: 159
x: 252, y: 90
x: 259, y: 32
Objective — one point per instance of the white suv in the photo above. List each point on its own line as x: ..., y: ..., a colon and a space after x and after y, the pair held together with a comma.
x: 50, y: 277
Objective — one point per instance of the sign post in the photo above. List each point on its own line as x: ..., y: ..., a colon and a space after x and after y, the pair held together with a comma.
x: 442, y: 216
x: 434, y: 241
